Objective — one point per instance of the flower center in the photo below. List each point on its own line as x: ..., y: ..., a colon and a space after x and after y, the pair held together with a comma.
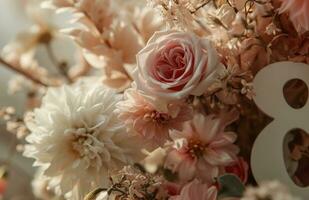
x: 155, y: 116
x: 89, y: 148
x: 196, y: 148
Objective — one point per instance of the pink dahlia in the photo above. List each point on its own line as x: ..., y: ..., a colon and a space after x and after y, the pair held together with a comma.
x: 299, y: 13
x: 150, y: 121
x: 202, y: 148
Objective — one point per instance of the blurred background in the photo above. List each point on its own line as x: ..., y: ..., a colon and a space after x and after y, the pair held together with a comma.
x: 13, y: 20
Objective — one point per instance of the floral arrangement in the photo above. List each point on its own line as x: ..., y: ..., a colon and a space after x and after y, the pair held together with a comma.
x: 158, y: 105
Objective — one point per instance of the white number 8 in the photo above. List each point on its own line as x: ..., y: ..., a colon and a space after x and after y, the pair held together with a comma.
x: 267, y: 158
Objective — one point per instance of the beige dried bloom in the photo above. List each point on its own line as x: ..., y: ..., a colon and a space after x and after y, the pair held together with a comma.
x: 273, y: 190
x: 179, y: 13
x: 132, y: 183
x: 231, y: 85
x: 14, y: 123
x: 272, y: 29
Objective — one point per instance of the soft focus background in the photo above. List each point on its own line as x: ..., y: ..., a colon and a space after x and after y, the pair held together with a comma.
x: 12, y: 21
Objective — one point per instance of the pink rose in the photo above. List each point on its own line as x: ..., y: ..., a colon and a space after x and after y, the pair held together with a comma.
x: 175, y: 64
x: 239, y: 168
x: 299, y: 13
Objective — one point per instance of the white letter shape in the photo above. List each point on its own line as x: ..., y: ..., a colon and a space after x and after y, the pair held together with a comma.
x: 267, y: 159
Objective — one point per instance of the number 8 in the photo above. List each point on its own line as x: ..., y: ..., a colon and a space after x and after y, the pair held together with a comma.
x: 267, y: 158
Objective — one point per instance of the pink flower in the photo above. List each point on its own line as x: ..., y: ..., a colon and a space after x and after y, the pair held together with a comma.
x: 143, y: 117
x: 175, y: 64
x: 299, y: 13
x: 239, y: 168
x: 195, y: 190
x: 173, y: 189
x: 202, y: 148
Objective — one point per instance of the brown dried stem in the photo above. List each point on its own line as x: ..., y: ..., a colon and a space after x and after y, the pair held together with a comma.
x: 23, y: 73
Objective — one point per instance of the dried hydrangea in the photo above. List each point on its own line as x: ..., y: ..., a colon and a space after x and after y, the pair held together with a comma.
x: 232, y: 85
x: 132, y: 183
x: 179, y: 13
x: 273, y: 190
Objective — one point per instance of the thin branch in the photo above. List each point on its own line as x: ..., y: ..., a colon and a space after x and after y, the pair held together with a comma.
x: 199, y: 7
x: 23, y: 73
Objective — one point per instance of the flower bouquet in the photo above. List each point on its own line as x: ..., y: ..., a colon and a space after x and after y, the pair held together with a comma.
x: 163, y: 100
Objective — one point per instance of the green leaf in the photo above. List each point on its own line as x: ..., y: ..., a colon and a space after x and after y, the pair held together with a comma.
x: 230, y: 186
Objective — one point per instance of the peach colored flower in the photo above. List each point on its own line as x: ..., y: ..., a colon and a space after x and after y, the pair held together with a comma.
x: 202, y: 148
x: 108, y: 40
x: 299, y: 13
x: 153, y: 124
x: 175, y: 64
x: 195, y: 190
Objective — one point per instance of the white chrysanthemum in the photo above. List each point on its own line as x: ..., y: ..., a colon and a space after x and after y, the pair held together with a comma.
x: 77, y: 137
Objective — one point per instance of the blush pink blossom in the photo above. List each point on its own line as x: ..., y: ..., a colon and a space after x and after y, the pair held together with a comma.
x: 195, y: 190
x: 299, y: 13
x: 202, y: 148
x: 175, y: 64
x: 153, y: 124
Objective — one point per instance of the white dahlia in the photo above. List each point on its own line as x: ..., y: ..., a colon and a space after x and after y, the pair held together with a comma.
x: 78, y: 139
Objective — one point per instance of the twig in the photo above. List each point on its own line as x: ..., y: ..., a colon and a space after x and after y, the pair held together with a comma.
x: 199, y: 7
x: 23, y: 73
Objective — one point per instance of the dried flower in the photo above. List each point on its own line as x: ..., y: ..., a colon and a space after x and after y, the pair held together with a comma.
x: 272, y: 29
x: 132, y: 184
x: 269, y: 191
